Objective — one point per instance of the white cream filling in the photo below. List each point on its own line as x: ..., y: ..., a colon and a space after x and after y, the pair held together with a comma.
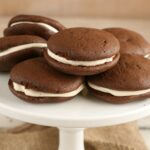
x: 34, y: 93
x: 22, y: 47
x: 78, y: 63
x: 147, y: 56
x: 116, y: 92
x: 47, y: 26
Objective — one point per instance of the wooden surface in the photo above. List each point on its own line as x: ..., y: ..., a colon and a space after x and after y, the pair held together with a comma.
x: 86, y: 8
x: 142, y: 26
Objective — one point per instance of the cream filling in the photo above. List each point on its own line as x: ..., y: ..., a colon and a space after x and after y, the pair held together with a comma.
x: 22, y: 47
x: 78, y: 63
x: 34, y: 93
x: 116, y: 92
x: 147, y: 56
x: 49, y: 27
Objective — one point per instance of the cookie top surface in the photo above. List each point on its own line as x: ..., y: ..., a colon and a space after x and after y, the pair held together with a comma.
x: 84, y: 44
x: 132, y: 72
x: 12, y: 41
x: 130, y: 41
x: 35, y: 18
x: 38, y: 75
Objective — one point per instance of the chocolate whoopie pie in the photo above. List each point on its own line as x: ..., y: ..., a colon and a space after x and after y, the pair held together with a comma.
x: 33, y: 25
x: 82, y: 51
x: 35, y: 81
x: 128, y: 81
x: 14, y: 49
x: 131, y: 42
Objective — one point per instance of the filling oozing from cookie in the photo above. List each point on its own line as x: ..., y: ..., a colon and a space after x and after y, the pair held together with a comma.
x: 79, y: 63
x: 29, y: 92
x: 47, y: 26
x: 22, y: 47
x: 116, y: 92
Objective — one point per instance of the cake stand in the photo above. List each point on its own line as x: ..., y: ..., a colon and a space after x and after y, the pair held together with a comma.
x: 71, y: 117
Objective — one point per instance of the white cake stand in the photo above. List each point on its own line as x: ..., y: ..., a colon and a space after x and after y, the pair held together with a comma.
x: 70, y: 117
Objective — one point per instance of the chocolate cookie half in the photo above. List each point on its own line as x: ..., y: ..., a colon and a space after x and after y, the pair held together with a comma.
x: 35, y: 81
x: 82, y: 51
x: 14, y: 49
x: 128, y: 81
x: 33, y: 25
x: 131, y: 42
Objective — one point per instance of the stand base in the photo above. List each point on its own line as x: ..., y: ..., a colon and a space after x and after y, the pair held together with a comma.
x: 71, y: 139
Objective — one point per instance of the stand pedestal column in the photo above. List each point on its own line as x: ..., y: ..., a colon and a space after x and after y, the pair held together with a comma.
x: 71, y: 139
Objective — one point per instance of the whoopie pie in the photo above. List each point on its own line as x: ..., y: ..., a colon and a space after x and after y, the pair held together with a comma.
x: 35, y: 81
x: 131, y: 42
x: 128, y: 81
x: 82, y: 51
x: 33, y: 25
x: 14, y: 49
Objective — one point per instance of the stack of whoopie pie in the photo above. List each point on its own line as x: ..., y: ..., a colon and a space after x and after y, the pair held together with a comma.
x: 51, y: 63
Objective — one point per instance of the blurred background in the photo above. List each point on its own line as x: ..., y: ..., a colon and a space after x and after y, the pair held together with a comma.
x: 78, y: 8
x: 132, y: 14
